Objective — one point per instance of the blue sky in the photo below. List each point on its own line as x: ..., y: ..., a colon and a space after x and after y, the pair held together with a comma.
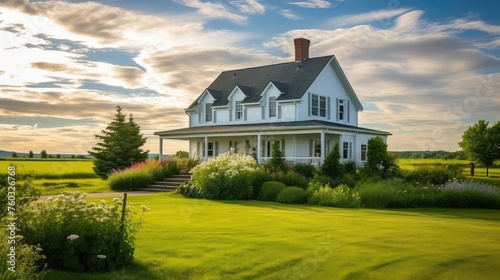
x: 424, y: 70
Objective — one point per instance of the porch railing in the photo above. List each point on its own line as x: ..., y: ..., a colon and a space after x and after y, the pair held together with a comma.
x: 297, y: 160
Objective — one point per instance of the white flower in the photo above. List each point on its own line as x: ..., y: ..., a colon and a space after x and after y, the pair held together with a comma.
x: 73, y: 237
x: 101, y: 256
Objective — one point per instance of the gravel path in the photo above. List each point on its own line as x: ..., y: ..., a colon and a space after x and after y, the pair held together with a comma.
x: 107, y: 194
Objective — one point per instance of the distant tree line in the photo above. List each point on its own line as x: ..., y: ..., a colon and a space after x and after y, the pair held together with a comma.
x: 430, y: 154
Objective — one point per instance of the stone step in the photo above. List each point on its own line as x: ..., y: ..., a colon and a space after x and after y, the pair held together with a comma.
x: 168, y: 184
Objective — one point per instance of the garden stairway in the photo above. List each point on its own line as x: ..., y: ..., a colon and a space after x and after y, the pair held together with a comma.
x: 168, y: 184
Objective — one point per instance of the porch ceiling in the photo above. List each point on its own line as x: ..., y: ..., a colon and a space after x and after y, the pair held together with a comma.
x: 265, y: 128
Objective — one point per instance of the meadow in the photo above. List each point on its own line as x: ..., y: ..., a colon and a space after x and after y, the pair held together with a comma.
x: 200, y: 239
x: 53, y: 176
x: 493, y: 178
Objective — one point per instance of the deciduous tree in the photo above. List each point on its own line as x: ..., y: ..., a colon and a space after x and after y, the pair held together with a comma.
x: 481, y: 143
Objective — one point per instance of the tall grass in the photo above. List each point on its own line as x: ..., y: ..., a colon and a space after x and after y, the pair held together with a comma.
x: 141, y: 174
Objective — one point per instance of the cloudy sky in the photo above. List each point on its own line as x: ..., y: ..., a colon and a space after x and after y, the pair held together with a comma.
x: 424, y: 70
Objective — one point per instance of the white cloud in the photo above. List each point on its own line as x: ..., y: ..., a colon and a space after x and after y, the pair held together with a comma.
x: 379, y: 17
x: 289, y: 14
x: 312, y: 4
x: 426, y: 84
x: 215, y: 10
x: 250, y: 7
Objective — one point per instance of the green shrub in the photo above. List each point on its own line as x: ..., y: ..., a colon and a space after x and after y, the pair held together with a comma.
x: 229, y: 176
x: 186, y: 164
x: 341, y: 196
x: 141, y: 174
x: 323, y: 180
x: 292, y: 195
x: 260, y: 177
x: 305, y: 170
x: 77, y: 235
x: 277, y: 162
x: 467, y: 199
x: 270, y: 190
x: 293, y: 179
x: 435, y: 175
x: 28, y: 260
x: 350, y: 167
x: 376, y: 195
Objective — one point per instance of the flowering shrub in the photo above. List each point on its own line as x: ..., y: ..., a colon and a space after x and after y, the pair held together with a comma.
x: 81, y: 236
x: 341, y: 196
x: 470, y: 186
x: 141, y: 174
x: 229, y: 176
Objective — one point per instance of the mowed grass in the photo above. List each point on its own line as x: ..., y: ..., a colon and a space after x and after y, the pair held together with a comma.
x: 479, y: 172
x: 54, y: 176
x: 199, y: 239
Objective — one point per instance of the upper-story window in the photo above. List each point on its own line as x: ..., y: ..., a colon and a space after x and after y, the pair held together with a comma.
x: 238, y: 110
x: 318, y: 105
x: 341, y: 109
x: 272, y: 107
x: 208, y: 112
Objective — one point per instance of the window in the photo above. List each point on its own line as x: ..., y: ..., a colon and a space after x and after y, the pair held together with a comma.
x: 363, y: 152
x: 208, y: 112
x: 341, y: 110
x: 318, y: 105
x: 272, y: 107
x: 238, y: 111
x: 210, y: 149
x: 346, y: 150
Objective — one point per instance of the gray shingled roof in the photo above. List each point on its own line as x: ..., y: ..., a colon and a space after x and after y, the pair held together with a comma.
x: 294, y: 78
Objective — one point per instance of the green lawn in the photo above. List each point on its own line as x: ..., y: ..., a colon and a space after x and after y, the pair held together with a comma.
x: 50, y: 186
x: 199, y: 239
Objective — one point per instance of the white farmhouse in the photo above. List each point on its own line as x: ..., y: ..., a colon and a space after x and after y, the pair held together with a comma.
x: 306, y: 106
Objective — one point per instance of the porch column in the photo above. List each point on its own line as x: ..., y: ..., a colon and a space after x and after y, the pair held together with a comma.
x: 160, y: 156
x: 259, y: 149
x: 323, y: 148
x: 206, y: 148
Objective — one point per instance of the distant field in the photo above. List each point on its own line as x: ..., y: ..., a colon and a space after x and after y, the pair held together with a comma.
x: 493, y: 178
x: 53, y: 176
x: 51, y: 168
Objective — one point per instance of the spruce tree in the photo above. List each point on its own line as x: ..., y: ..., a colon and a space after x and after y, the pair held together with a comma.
x: 331, y: 166
x: 119, y: 146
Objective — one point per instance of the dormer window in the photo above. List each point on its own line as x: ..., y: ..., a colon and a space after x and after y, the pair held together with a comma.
x: 208, y: 112
x: 272, y: 107
x: 238, y: 110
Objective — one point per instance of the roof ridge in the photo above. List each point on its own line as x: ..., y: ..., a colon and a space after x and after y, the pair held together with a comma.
x: 276, y: 64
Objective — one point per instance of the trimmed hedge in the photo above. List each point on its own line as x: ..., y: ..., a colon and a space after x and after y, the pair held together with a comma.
x: 270, y: 190
x: 292, y: 195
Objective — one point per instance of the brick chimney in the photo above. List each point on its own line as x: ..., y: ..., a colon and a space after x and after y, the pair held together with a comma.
x: 301, y: 49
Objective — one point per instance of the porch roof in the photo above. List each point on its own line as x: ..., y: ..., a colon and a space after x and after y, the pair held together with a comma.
x: 266, y: 128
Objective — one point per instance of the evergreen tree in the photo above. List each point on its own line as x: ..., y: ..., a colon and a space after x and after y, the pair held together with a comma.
x: 277, y: 162
x: 331, y: 166
x: 14, y: 155
x: 43, y: 154
x: 30, y: 154
x: 119, y: 145
x: 482, y: 143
